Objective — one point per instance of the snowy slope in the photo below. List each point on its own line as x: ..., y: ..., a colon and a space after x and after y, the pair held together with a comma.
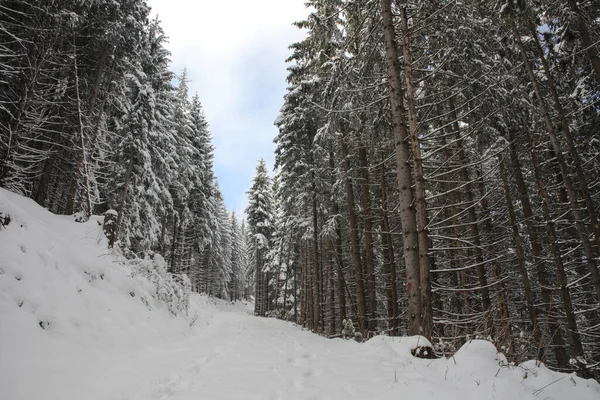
x: 98, y: 341
x: 68, y: 310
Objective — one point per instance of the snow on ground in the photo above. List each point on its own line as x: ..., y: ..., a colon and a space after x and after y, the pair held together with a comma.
x: 73, y: 326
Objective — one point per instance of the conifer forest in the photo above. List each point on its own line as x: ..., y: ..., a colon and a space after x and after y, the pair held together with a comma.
x: 436, y: 168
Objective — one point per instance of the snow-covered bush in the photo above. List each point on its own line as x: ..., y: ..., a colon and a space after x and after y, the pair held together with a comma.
x: 4, y: 220
x: 277, y: 313
x: 173, y: 289
x: 348, y: 331
x: 110, y: 226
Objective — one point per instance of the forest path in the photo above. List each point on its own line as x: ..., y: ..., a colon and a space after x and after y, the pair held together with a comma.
x: 237, y: 355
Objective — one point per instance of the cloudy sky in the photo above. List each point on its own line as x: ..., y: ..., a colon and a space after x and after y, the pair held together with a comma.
x: 235, y: 54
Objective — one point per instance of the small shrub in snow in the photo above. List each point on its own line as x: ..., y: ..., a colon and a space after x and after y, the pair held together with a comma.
x: 110, y: 227
x: 358, y: 336
x: 348, y: 331
x: 277, y: 313
x: 173, y: 289
x: 80, y: 217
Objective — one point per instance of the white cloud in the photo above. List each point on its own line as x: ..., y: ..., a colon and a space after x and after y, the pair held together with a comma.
x: 235, y: 54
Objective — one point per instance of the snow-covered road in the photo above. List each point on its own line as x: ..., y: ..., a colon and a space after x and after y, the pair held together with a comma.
x: 234, y: 355
x: 238, y: 356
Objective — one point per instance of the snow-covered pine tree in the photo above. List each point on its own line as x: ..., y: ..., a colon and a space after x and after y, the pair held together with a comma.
x: 141, y: 168
x: 261, y: 218
x: 238, y: 259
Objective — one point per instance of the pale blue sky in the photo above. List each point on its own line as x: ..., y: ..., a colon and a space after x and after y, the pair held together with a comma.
x: 235, y: 54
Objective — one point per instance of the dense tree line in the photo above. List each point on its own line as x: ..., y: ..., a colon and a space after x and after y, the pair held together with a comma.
x: 437, y: 173
x: 91, y: 122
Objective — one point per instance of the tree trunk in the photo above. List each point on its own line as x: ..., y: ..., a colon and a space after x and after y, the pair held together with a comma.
x: 473, y: 224
x: 316, y: 265
x: 529, y: 299
x: 81, y: 168
x: 571, y: 192
x: 368, y: 226
x: 331, y: 325
x: 496, y: 269
x: 389, y: 264
x: 420, y: 204
x: 42, y: 190
x: 576, y: 348
x: 339, y: 254
x: 358, y: 272
x: 258, y: 296
x: 458, y: 278
x: 123, y: 202
x: 174, y: 244
x: 407, y: 213
x: 564, y: 124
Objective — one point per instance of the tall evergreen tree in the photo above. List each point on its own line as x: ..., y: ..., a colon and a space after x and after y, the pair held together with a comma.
x: 261, y: 218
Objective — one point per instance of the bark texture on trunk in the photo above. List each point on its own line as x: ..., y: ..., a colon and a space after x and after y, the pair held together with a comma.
x: 420, y: 204
x: 404, y: 174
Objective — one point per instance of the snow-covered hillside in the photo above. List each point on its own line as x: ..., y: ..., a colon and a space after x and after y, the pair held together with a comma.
x: 76, y: 323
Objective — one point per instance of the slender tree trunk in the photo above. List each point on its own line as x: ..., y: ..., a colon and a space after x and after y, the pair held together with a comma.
x: 536, y: 251
x: 16, y: 122
x: 42, y: 190
x: 358, y: 272
x: 389, y: 264
x: 341, y: 284
x: 258, y: 297
x: 368, y: 225
x: 496, y: 268
x: 458, y: 278
x: 303, y: 294
x: 564, y: 124
x: 175, y: 243
x: 473, y: 223
x: 98, y: 79
x: 571, y: 192
x: 296, y: 288
x: 572, y: 332
x: 163, y: 237
x: 339, y: 254
x: 407, y: 213
x: 123, y: 202
x: 331, y: 325
x: 81, y: 168
x: 317, y: 327
x: 529, y: 299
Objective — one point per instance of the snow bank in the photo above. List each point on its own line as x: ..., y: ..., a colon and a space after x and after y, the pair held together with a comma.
x: 398, y: 346
x: 66, y: 299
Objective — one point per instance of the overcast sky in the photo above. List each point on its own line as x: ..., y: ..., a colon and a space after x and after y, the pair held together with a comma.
x: 235, y: 54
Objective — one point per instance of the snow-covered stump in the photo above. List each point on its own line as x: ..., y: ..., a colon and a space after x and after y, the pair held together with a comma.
x: 110, y: 226
x: 423, y: 352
